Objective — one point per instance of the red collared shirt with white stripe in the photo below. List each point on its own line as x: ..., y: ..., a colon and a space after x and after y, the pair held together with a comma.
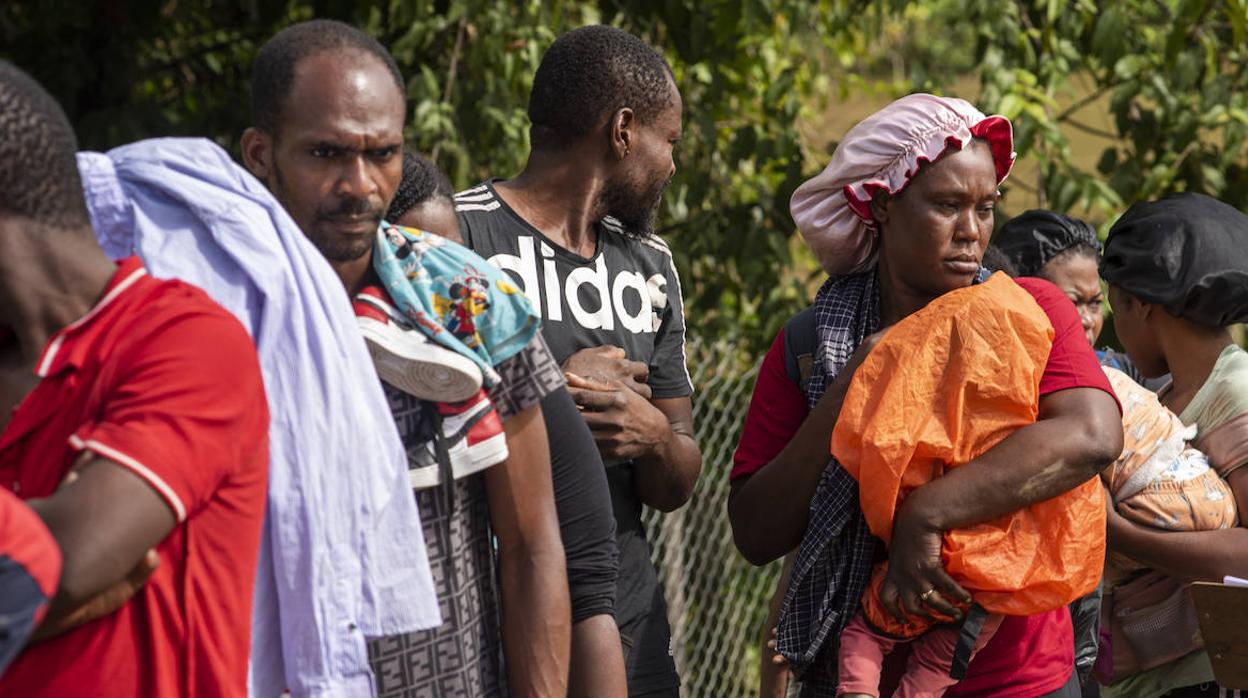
x: 162, y: 381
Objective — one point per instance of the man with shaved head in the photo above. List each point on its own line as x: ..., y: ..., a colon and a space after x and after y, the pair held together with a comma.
x: 140, y: 438
x: 327, y: 137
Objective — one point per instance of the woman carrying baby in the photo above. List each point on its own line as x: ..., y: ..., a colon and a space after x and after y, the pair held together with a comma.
x: 1177, y: 271
x: 901, y: 217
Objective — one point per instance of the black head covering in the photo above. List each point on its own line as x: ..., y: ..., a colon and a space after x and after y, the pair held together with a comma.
x: 1187, y: 253
x: 1033, y: 238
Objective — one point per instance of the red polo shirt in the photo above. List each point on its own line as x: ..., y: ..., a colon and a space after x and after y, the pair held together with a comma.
x: 158, y: 379
x: 1028, y: 656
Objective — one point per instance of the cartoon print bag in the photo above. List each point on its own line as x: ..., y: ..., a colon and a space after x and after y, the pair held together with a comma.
x: 454, y: 296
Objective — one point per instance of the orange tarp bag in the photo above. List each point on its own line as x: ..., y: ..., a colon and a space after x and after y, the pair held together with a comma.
x: 940, y: 388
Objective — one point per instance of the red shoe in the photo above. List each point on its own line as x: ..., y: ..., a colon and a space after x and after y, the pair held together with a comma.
x: 473, y: 437
x: 405, y: 358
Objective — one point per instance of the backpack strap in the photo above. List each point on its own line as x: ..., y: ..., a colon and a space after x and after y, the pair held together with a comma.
x: 800, y: 338
x: 968, y: 635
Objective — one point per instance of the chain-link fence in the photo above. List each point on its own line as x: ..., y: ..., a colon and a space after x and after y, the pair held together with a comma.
x: 717, y: 601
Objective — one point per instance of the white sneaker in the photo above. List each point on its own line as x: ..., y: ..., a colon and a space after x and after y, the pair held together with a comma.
x: 405, y: 358
x: 473, y: 437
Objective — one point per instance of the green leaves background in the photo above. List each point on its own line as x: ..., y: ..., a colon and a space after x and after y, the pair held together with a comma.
x: 1112, y: 102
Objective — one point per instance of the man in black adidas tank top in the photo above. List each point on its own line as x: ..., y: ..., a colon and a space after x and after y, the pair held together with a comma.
x: 575, y: 230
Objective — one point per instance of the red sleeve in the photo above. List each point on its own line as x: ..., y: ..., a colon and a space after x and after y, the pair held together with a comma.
x: 186, y: 407
x: 777, y: 409
x: 26, y: 541
x: 1072, y: 362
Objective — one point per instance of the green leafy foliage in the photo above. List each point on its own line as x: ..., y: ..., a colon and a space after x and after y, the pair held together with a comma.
x: 760, y: 81
x: 1174, y: 76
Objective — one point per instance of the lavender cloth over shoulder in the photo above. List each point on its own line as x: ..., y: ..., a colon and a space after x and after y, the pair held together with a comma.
x: 342, y: 554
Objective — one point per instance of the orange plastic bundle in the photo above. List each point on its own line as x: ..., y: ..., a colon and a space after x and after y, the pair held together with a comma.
x: 942, y: 387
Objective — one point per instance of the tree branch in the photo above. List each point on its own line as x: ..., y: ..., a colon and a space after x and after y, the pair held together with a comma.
x: 1085, y: 101
x: 1093, y: 131
x: 451, y: 73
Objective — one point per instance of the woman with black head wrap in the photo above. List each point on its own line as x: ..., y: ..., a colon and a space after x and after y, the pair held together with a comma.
x: 1178, y: 278
x: 1066, y: 252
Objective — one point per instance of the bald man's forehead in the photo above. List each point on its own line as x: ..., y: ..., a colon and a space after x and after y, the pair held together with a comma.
x: 344, y: 87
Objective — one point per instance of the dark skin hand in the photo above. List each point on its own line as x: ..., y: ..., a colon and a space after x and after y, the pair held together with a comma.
x: 103, y: 604
x: 762, y: 530
x: 622, y: 421
x: 656, y: 434
x: 627, y: 424
x: 1077, y: 434
x: 608, y: 363
x: 773, y: 672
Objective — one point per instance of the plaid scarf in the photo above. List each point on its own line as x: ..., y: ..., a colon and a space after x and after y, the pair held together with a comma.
x: 834, y: 560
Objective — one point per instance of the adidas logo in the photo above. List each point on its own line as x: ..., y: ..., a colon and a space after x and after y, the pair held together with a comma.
x: 626, y: 299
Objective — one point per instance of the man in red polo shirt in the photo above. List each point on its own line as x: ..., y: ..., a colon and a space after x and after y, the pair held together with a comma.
x: 151, y: 395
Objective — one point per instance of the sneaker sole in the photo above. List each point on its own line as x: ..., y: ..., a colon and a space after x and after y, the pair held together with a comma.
x: 441, y: 376
x: 487, y: 453
x: 492, y: 451
x: 482, y: 454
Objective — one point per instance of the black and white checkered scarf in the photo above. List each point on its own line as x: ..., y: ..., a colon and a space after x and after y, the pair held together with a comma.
x: 834, y: 561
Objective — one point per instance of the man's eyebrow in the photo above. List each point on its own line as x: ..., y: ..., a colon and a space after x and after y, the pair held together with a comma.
x: 326, y: 143
x: 322, y: 142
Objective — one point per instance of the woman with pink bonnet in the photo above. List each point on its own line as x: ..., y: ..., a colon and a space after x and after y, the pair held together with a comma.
x: 901, y: 216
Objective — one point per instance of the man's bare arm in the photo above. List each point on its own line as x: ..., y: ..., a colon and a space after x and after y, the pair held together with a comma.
x: 105, y: 522
x: 532, y: 570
